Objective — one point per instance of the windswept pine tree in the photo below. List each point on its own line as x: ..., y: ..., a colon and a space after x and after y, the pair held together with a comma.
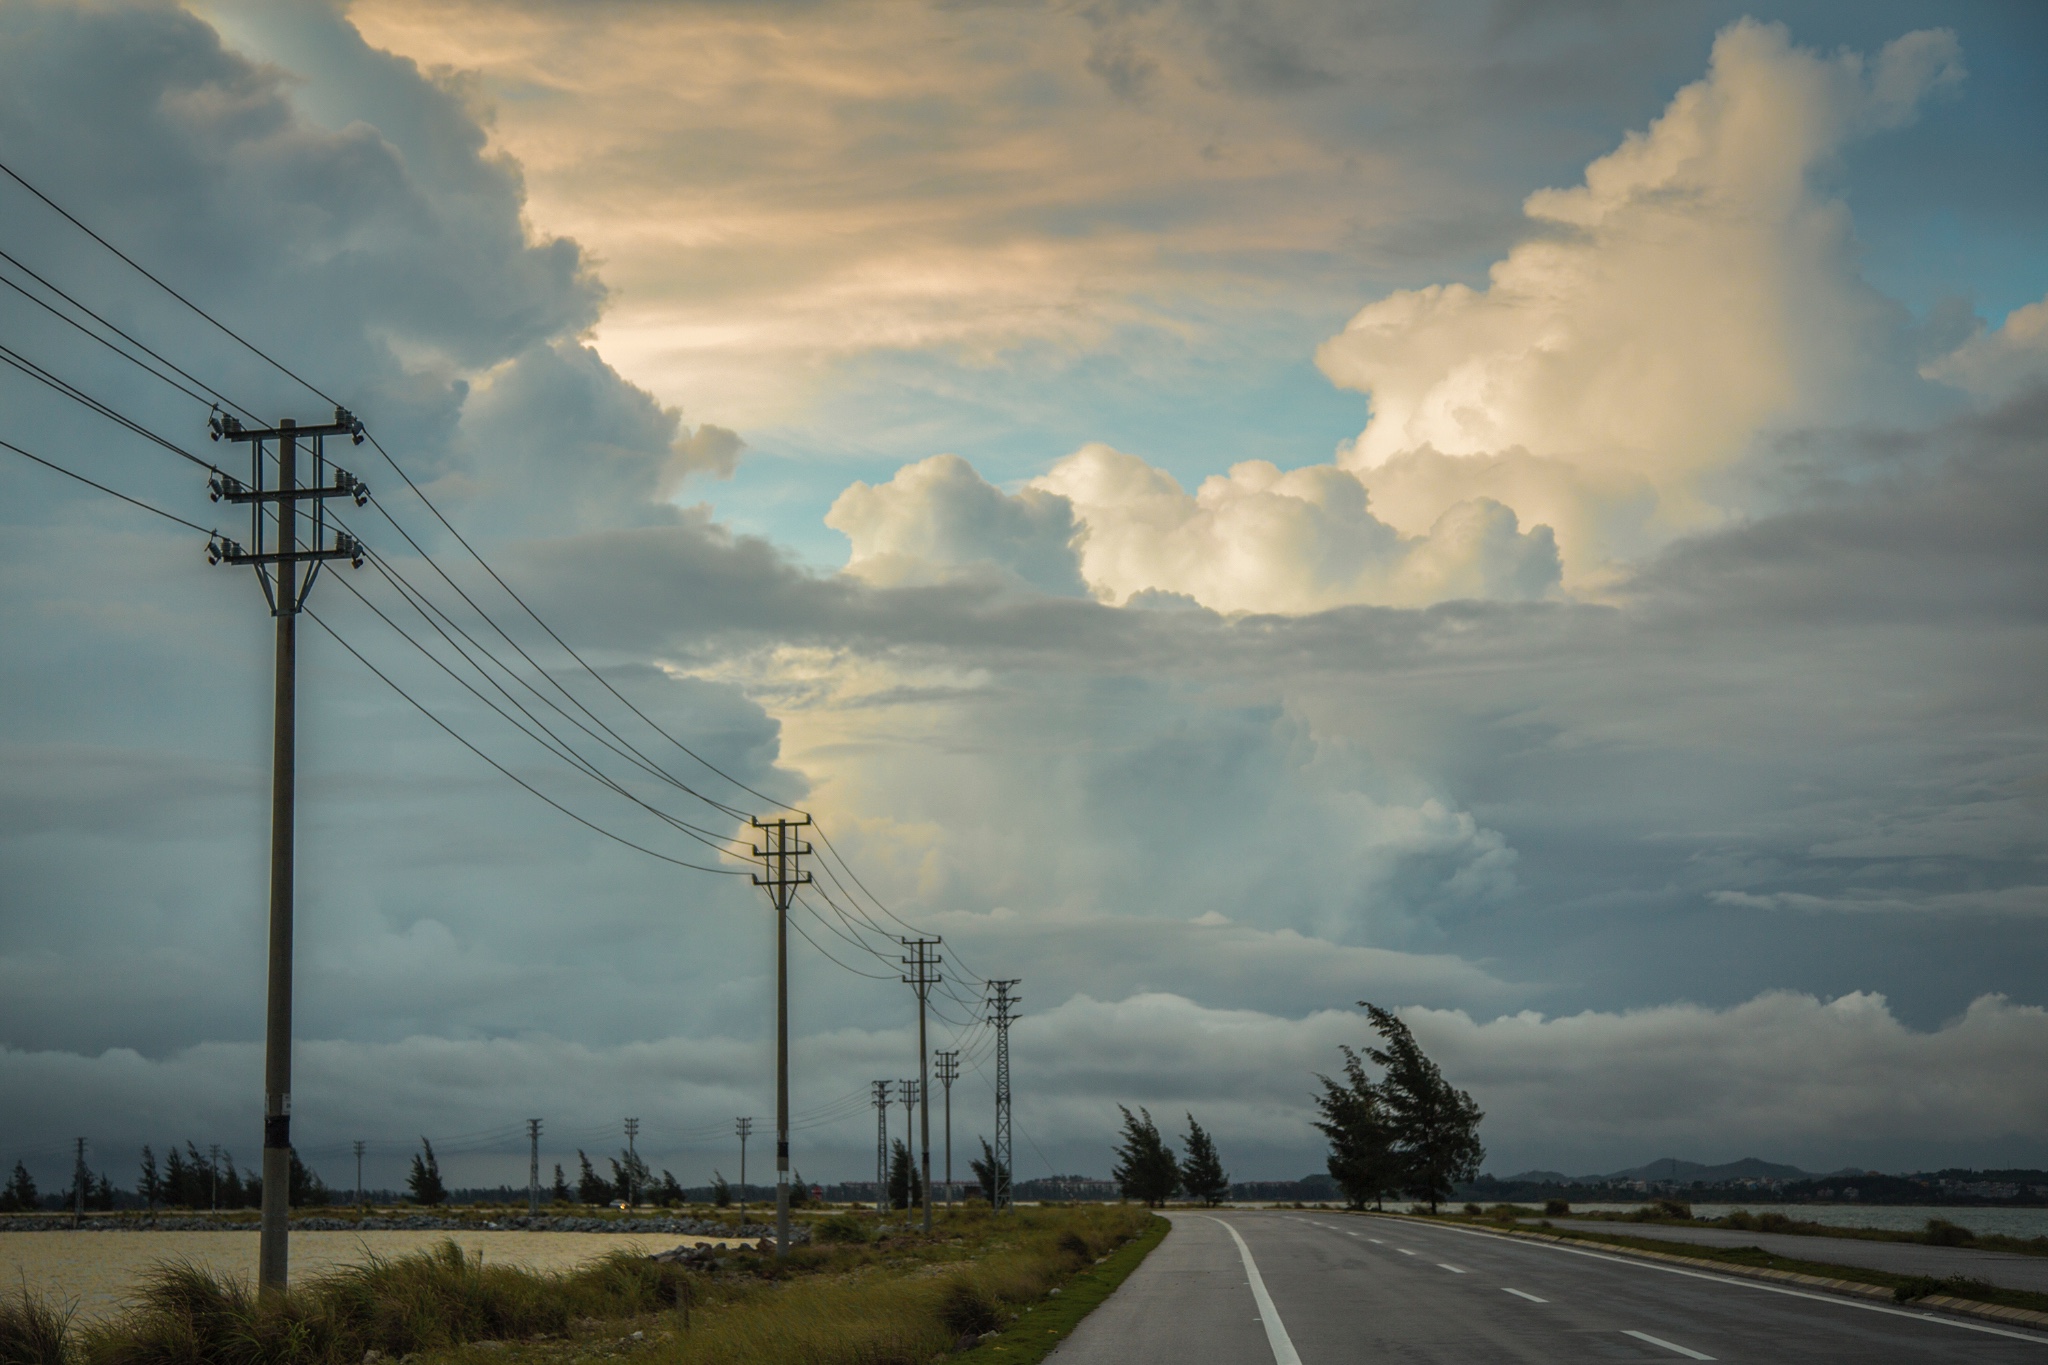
x: 424, y: 1183
x: 559, y: 1191
x: 1410, y: 1131
x: 149, y: 1185
x: 1201, y: 1170
x: 988, y: 1172
x: 20, y: 1195
x: 721, y: 1191
x: 905, y: 1189
x: 591, y: 1188
x: 1145, y: 1169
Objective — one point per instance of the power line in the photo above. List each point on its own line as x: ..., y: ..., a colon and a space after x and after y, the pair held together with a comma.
x: 133, y: 502
x: 77, y: 395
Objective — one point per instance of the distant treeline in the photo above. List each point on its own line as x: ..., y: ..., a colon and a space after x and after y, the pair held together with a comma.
x: 187, y: 1179
x: 2010, y: 1188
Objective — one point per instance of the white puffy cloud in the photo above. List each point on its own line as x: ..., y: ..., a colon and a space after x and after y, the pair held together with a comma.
x: 1695, y: 289
x: 1997, y: 364
x: 938, y: 518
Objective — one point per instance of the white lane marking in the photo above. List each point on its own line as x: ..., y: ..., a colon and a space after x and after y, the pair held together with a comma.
x: 1374, y: 1240
x: 1446, y: 1265
x: 1269, y: 1316
x: 1836, y: 1300
x: 1522, y: 1294
x: 1404, y: 1251
x: 1685, y: 1351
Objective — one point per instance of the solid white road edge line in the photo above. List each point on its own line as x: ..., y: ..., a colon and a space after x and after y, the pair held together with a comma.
x: 1522, y: 1294
x: 1276, y: 1332
x: 1686, y: 1351
x: 1837, y: 1300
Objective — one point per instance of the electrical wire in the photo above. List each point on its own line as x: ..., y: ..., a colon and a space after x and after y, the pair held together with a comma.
x: 135, y: 502
x: 42, y: 376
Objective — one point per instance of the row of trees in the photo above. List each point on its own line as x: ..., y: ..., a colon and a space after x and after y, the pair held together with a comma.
x: 186, y: 1180
x: 631, y: 1181
x: 1409, y: 1132
x: 1147, y: 1169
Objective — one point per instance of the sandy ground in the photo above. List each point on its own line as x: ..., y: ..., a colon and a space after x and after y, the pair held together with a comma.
x: 97, y: 1271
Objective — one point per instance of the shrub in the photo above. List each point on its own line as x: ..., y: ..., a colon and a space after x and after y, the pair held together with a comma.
x: 1773, y: 1222
x: 843, y: 1228
x: 1920, y: 1286
x: 967, y: 1310
x: 1473, y: 1210
x: 1942, y: 1233
x: 1556, y: 1208
x: 1742, y: 1219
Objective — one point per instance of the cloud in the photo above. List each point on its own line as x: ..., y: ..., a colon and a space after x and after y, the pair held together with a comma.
x: 1694, y: 290
x: 939, y: 517
x: 1998, y: 364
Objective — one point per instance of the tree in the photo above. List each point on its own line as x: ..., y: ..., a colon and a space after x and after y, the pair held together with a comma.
x: 1145, y: 1168
x: 1362, y: 1161
x: 151, y: 1185
x: 20, y: 1195
x: 1201, y: 1172
x: 1436, y: 1125
x: 799, y: 1193
x: 721, y: 1192
x: 559, y: 1191
x: 988, y: 1172
x: 307, y: 1188
x: 905, y: 1189
x: 425, y: 1180
x: 668, y: 1193
x: 629, y: 1176
x: 591, y: 1188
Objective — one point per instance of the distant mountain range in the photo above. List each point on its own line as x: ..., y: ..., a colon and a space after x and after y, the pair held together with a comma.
x: 1671, y: 1168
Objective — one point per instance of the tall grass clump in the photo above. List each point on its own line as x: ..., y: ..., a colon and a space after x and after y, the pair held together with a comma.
x: 33, y: 1331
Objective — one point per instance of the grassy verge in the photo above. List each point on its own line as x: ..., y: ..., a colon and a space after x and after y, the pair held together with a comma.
x: 853, y: 1297
x: 1938, y: 1232
x: 1905, y: 1288
x: 1042, y: 1326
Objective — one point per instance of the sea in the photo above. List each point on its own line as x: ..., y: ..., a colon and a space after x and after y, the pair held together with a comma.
x: 1891, y: 1217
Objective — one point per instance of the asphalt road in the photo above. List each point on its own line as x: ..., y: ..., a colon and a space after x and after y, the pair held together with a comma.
x: 2011, y: 1269
x: 1319, y: 1289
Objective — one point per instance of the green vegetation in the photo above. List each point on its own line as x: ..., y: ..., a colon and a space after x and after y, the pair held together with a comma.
x: 1201, y: 1172
x: 424, y: 1182
x: 1410, y: 1132
x: 1145, y: 1168
x: 1938, y: 1232
x: 853, y: 1297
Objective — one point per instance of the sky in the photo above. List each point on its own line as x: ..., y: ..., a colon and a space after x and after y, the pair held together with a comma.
x: 1527, y: 513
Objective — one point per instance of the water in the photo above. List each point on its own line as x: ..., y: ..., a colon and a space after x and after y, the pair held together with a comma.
x: 1891, y: 1217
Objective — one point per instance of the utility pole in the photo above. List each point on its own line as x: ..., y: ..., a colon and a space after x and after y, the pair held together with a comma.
x: 632, y: 1164
x: 949, y: 1072
x: 782, y: 874
x: 881, y: 1145
x: 1000, y: 1003
x: 745, y: 1128
x: 278, y: 570
x: 532, y: 1168
x: 359, y: 1172
x: 924, y: 965
x: 78, y: 1179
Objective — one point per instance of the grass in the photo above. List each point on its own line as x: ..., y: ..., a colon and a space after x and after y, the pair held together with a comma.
x: 1034, y: 1333
x: 868, y: 1298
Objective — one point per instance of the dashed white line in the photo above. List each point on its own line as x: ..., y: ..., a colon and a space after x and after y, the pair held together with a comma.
x: 1522, y: 1294
x: 1404, y: 1251
x: 1685, y: 1351
x: 1374, y: 1240
x: 1446, y: 1265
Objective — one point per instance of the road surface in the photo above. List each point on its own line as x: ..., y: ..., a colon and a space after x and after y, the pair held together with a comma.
x: 2009, y: 1268
x: 1275, y: 1288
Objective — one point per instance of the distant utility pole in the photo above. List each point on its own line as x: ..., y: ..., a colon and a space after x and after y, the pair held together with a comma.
x: 632, y: 1164
x: 782, y: 874
x: 1000, y: 1004
x: 532, y: 1168
x: 745, y: 1128
x: 949, y: 1072
x: 359, y: 1172
x: 924, y: 966
x: 881, y: 1145
x: 278, y: 570
x: 78, y: 1179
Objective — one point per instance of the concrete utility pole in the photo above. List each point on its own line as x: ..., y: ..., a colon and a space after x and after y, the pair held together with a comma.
x: 949, y: 1072
x: 745, y: 1128
x: 632, y: 1164
x: 359, y: 1172
x: 906, y: 1091
x: 1000, y: 1003
x: 781, y: 861
x: 532, y: 1168
x: 924, y: 965
x: 78, y: 1181
x: 278, y: 570
x: 881, y: 1145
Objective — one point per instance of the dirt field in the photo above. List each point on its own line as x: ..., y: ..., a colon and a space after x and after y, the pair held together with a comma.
x: 97, y: 1270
